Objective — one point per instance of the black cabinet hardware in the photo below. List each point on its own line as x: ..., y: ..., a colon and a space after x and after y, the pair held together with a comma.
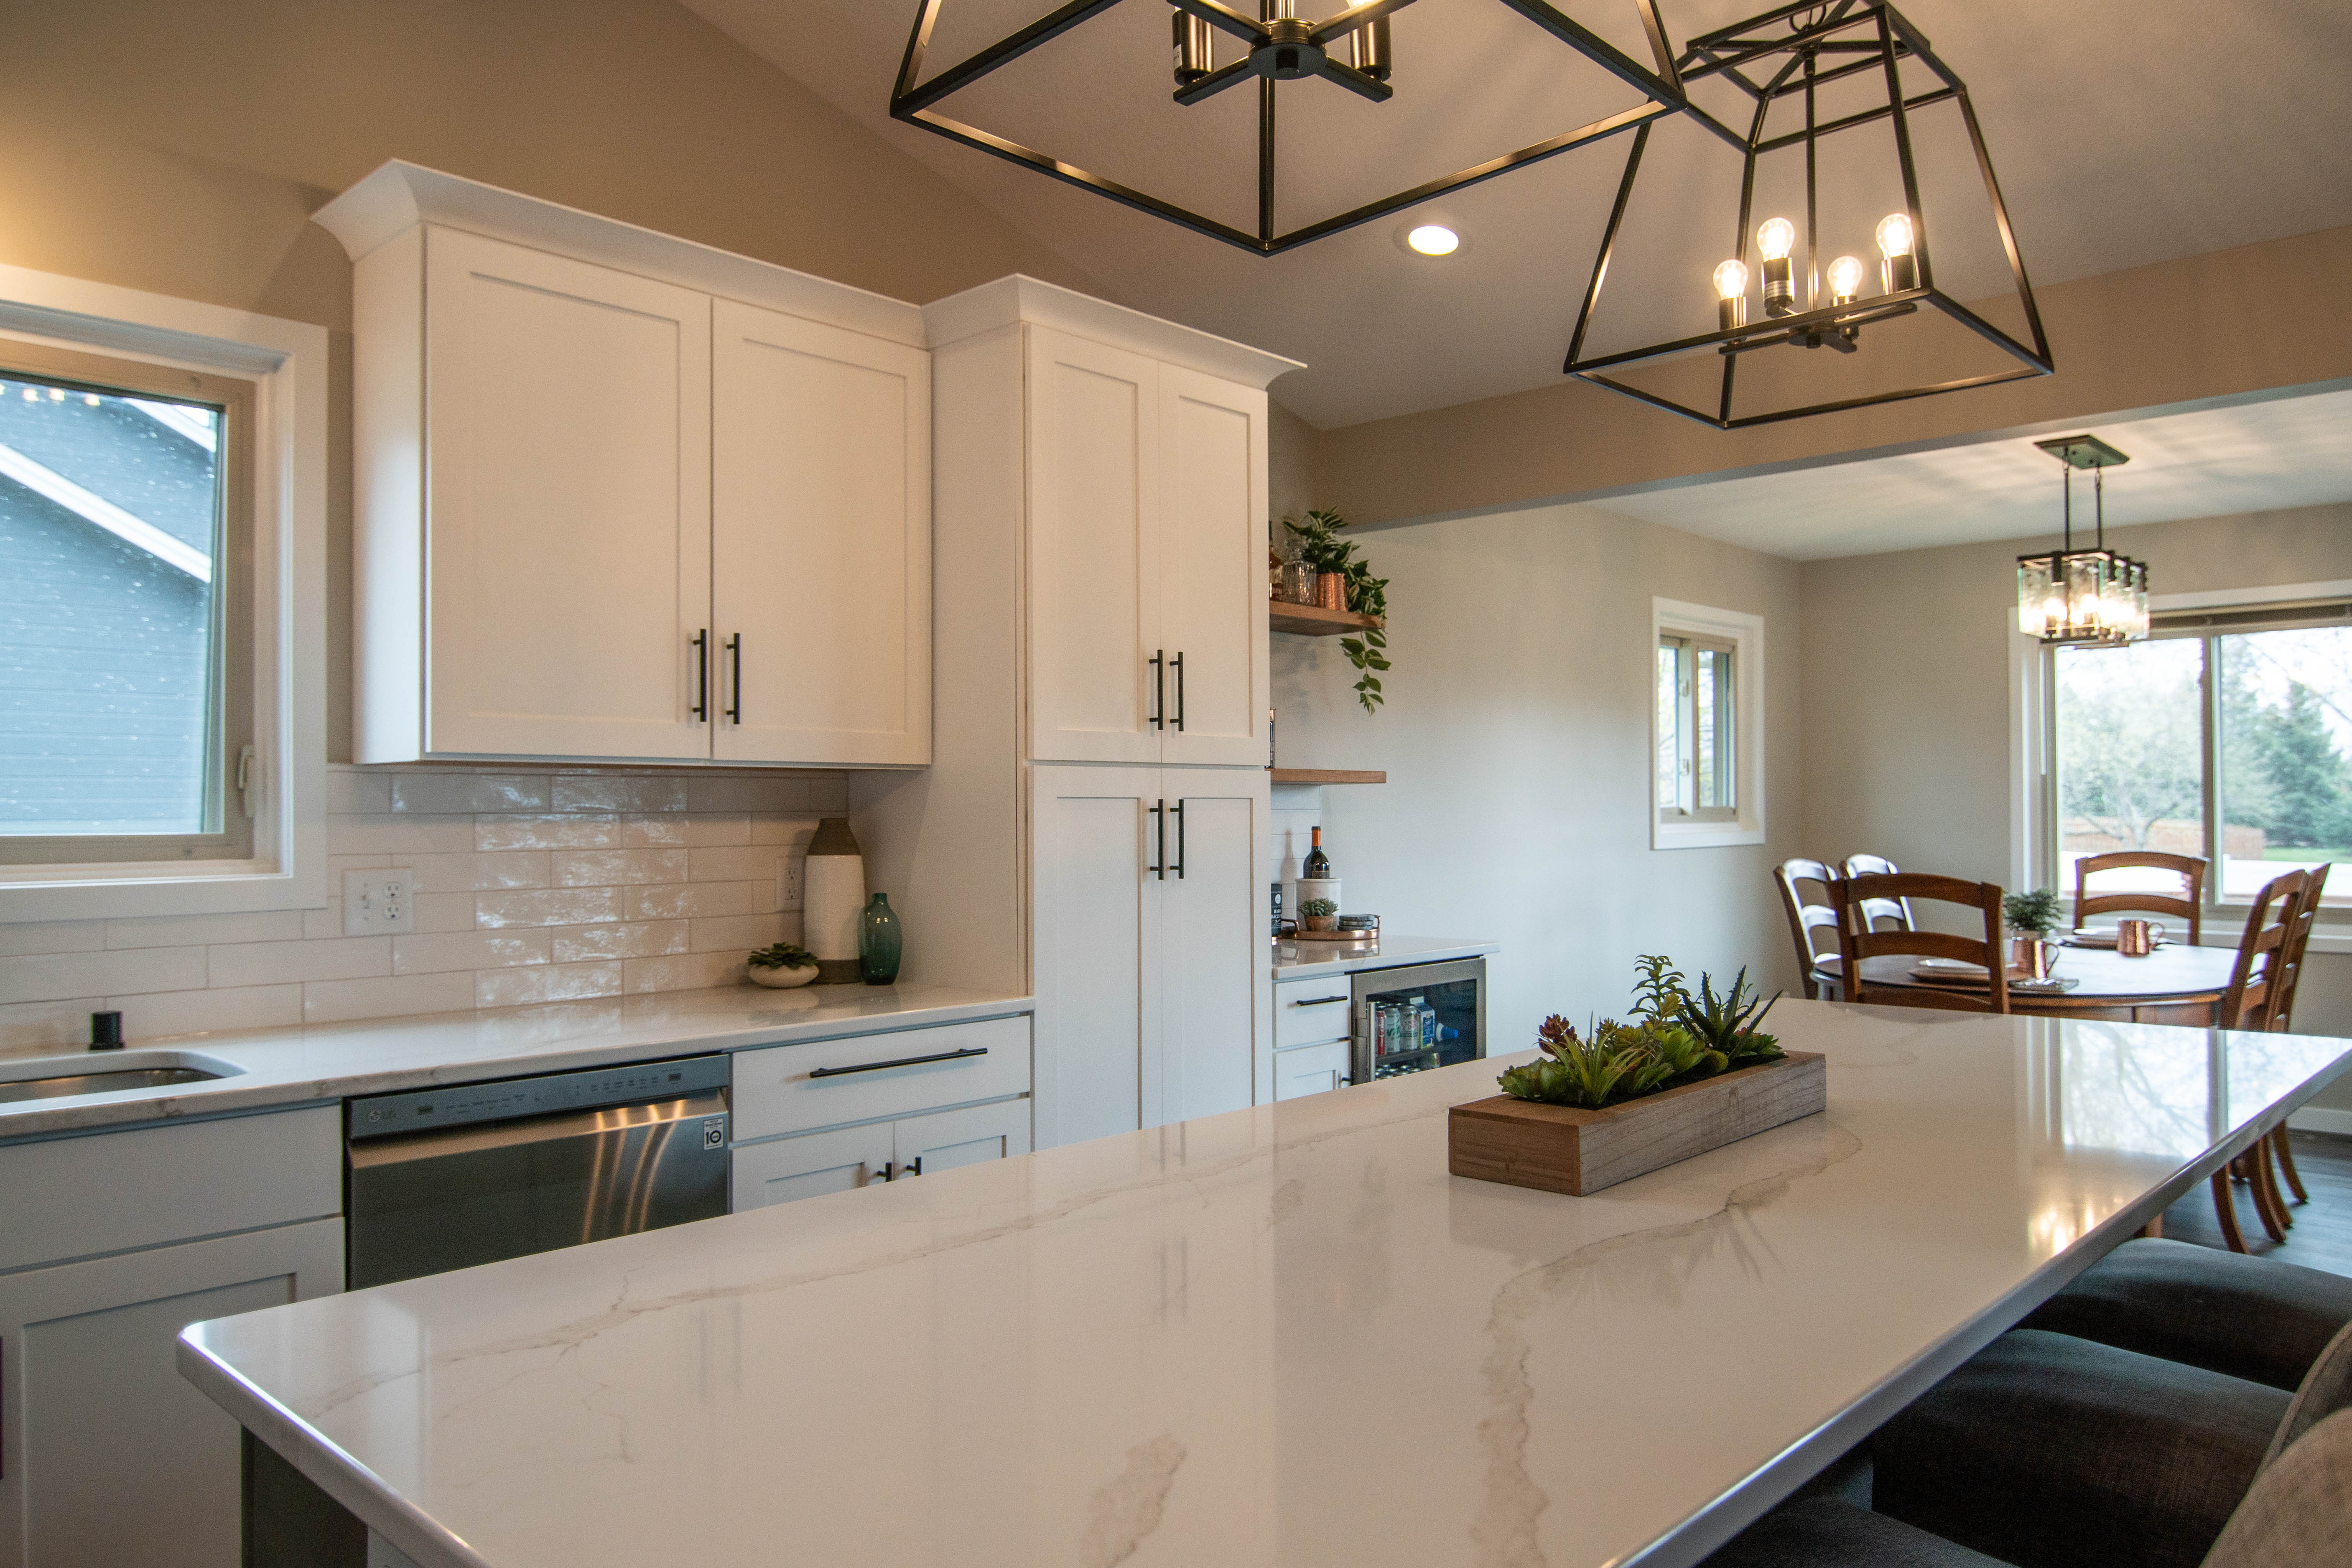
x: 1176, y: 811
x: 1158, y: 812
x: 735, y: 649
x: 1176, y: 664
x: 900, y: 1062
x: 701, y: 708
x: 1158, y: 686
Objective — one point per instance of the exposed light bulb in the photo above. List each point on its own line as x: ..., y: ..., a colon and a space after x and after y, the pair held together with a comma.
x: 1899, y: 270
x: 1435, y: 239
x: 1731, y: 279
x: 1845, y: 279
x: 1895, y: 234
x: 1774, y: 239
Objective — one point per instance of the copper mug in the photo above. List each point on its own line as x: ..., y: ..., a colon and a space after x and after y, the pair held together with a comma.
x: 2138, y: 939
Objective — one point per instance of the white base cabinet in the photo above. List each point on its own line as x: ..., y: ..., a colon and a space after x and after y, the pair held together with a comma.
x: 842, y: 1158
x: 1151, y: 954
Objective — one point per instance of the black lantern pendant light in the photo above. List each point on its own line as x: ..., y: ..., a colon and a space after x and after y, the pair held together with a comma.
x: 1787, y: 54
x: 2094, y: 595
x: 1349, y: 48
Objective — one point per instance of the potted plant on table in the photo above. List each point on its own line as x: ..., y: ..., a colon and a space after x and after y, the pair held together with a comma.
x: 783, y: 966
x: 1320, y: 914
x: 2031, y: 918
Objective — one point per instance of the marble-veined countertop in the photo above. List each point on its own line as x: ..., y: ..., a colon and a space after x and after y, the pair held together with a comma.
x: 293, y: 1065
x: 1278, y: 1336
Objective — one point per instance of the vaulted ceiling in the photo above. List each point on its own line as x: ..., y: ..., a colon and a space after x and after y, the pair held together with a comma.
x: 2125, y: 132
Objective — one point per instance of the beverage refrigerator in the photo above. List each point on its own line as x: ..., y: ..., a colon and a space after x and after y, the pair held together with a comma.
x: 1416, y: 1016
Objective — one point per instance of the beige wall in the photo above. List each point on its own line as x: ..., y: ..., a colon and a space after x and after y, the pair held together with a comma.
x: 1905, y: 726
x: 2212, y: 326
x: 180, y: 149
x: 1516, y: 741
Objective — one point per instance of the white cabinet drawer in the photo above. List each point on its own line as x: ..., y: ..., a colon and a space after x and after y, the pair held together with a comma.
x: 1309, y: 1012
x: 826, y: 1083
x: 1310, y: 1069
x: 110, y: 1192
x: 842, y: 1158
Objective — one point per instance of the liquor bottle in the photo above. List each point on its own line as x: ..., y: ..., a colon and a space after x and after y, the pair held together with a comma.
x: 1319, y: 864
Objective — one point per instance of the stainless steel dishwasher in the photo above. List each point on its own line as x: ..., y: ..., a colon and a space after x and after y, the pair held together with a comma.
x: 447, y: 1178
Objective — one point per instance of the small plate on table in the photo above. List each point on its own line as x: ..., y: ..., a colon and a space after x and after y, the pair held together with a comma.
x: 1951, y: 972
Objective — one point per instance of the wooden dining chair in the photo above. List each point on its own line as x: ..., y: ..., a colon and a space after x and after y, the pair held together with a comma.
x: 1857, y: 941
x: 2189, y: 869
x: 1883, y: 914
x: 2257, y: 984
x: 2298, y: 944
x: 1812, y: 925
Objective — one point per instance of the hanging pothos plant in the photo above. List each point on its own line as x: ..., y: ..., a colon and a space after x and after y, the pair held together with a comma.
x: 1321, y: 546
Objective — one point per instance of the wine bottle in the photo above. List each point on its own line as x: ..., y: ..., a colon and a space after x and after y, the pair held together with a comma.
x: 1319, y: 864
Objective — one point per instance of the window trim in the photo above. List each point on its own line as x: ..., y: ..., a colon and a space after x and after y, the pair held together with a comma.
x: 2033, y: 837
x: 286, y: 361
x: 1745, y: 633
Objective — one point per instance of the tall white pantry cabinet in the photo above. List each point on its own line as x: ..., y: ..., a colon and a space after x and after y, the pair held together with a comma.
x: 1101, y: 507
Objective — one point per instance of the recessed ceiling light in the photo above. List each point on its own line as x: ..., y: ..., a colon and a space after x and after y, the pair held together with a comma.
x: 1434, y: 239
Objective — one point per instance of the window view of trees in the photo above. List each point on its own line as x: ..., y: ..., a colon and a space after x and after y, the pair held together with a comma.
x: 2132, y: 757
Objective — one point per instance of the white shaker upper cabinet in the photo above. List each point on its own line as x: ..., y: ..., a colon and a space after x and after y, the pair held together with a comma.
x: 821, y: 529
x: 1212, y: 565
x: 568, y: 554
x: 1099, y: 672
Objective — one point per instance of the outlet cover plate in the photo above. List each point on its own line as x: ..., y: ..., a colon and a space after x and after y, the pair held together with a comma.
x: 379, y: 903
x: 788, y: 881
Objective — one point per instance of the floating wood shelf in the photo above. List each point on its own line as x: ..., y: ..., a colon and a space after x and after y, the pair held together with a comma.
x: 1315, y: 621
x: 1329, y: 775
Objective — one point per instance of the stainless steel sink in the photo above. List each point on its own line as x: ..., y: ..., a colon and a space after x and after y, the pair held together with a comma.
x: 101, y: 1072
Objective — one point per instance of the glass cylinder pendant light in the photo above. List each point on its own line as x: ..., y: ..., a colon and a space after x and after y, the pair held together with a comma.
x: 2082, y: 597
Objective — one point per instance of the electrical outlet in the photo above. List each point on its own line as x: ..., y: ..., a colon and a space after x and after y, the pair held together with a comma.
x: 788, y: 881
x: 379, y: 903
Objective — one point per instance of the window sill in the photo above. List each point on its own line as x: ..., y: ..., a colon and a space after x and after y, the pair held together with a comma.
x: 1702, y: 834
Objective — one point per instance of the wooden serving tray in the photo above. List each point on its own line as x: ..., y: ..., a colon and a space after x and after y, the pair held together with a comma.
x: 1559, y: 1149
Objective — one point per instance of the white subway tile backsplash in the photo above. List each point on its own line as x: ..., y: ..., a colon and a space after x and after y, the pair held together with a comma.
x: 341, y: 1001
x: 183, y: 931
x: 279, y: 963
x: 621, y: 939
x: 470, y: 950
x: 531, y: 886
x: 588, y: 831
x: 546, y: 983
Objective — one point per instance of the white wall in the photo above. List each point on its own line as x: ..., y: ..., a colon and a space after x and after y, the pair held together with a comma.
x: 1516, y: 740
x: 1904, y: 731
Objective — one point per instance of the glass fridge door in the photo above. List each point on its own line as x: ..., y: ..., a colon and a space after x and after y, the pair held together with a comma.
x: 1412, y: 1019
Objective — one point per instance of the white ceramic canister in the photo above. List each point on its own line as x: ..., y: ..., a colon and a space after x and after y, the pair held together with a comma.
x: 833, y: 900
x: 1317, y: 888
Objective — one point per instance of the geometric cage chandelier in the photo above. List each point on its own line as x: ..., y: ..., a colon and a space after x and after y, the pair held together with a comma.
x: 2097, y: 596
x: 1782, y: 60
x: 1349, y: 48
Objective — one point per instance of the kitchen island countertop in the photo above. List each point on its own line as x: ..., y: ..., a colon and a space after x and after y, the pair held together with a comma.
x: 1278, y: 1336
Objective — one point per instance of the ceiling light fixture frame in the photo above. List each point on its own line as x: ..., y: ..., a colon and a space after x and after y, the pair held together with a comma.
x: 2085, y: 598
x: 1816, y: 31
x: 1280, y: 49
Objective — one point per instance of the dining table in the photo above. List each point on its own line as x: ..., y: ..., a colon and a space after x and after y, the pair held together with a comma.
x: 2176, y: 984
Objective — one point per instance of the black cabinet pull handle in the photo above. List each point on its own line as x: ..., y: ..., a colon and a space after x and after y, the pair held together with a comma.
x: 1320, y: 1001
x: 1178, y: 811
x: 915, y: 1168
x: 1178, y: 664
x: 900, y: 1062
x: 735, y: 648
x: 701, y: 708
x: 1159, y: 687
x: 1157, y: 811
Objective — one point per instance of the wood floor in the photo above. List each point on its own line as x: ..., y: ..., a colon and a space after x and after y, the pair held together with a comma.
x: 2322, y: 1236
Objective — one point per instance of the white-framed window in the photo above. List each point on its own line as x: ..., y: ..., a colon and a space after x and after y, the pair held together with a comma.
x: 2227, y: 734
x: 162, y: 584
x: 1707, y: 736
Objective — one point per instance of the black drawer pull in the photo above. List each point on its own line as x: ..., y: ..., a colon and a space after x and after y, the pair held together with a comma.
x: 1320, y: 1001
x: 901, y: 1062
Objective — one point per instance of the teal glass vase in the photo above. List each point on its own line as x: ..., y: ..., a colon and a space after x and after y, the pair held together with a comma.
x: 880, y: 941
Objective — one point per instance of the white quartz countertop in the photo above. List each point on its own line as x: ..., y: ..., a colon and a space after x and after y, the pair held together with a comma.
x: 1279, y: 1336
x: 288, y: 1065
x: 1294, y: 960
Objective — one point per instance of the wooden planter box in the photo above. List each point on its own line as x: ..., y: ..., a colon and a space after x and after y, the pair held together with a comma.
x: 1559, y: 1149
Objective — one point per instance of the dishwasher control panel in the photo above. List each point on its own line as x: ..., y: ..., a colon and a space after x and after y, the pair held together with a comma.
x: 505, y: 1099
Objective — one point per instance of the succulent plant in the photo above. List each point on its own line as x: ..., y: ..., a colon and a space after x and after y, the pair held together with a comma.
x: 784, y: 955
x: 1674, y: 1039
x: 1318, y: 907
x: 1729, y: 1023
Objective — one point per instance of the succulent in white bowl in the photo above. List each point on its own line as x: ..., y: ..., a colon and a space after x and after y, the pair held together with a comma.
x: 783, y: 966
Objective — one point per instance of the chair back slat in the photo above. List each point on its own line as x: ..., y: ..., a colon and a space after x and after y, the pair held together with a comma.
x: 2189, y: 869
x: 1854, y: 894
x: 2256, y: 981
x: 1880, y: 914
x: 1813, y: 926
x: 2298, y: 942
